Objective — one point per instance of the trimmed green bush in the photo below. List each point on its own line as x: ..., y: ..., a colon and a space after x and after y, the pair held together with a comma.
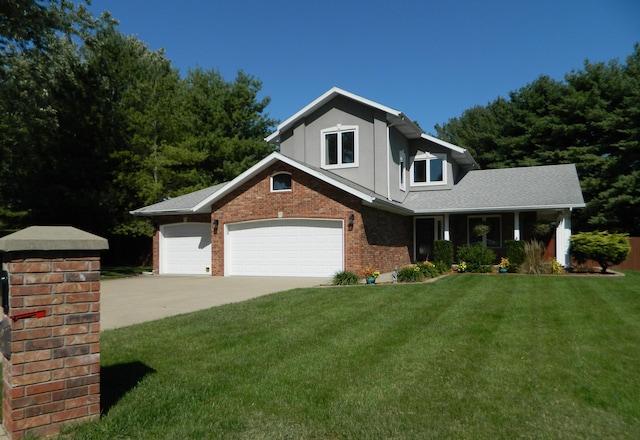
x: 515, y: 253
x: 443, y: 255
x: 605, y: 248
x: 410, y: 274
x: 477, y: 257
x: 345, y: 278
x: 428, y: 270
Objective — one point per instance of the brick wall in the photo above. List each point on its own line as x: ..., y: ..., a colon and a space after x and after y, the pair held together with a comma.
x: 380, y: 239
x: 53, y: 375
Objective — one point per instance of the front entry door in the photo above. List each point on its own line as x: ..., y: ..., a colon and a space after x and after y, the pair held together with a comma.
x: 427, y: 229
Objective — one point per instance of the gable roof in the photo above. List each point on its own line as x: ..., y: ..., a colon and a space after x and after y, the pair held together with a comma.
x: 200, y: 201
x: 507, y: 189
x: 395, y: 117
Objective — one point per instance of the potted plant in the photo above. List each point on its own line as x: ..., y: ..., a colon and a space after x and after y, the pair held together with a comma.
x: 504, y: 265
x: 481, y: 230
x: 370, y: 275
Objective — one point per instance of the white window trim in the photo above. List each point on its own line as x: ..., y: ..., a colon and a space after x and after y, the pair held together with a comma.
x: 323, y: 149
x: 428, y: 156
x: 279, y: 190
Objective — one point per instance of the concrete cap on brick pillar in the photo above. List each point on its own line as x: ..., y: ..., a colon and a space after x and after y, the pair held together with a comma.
x: 52, y: 238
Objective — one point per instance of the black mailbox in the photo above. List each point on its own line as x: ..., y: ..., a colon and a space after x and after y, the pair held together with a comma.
x: 5, y: 337
x: 4, y: 288
x: 5, y: 323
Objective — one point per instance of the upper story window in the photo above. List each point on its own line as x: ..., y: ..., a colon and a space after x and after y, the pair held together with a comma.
x: 429, y: 169
x: 281, y: 182
x: 340, y: 147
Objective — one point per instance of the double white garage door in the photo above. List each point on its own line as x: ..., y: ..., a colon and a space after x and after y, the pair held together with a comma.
x: 279, y: 247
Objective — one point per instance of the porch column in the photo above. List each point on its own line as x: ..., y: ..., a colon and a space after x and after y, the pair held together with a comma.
x: 563, y: 236
x: 446, y: 235
x: 516, y: 225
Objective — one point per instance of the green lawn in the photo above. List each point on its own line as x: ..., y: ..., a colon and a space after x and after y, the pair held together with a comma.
x: 466, y: 357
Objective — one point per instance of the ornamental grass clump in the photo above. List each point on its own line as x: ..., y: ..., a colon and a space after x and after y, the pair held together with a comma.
x: 533, y: 258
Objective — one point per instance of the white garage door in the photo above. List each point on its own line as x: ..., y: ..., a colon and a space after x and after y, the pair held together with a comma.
x: 284, y: 247
x: 185, y: 248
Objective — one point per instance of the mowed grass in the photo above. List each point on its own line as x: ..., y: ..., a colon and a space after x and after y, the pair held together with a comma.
x: 466, y: 357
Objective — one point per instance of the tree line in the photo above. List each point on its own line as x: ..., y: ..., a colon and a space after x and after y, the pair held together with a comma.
x: 94, y: 124
x: 591, y: 118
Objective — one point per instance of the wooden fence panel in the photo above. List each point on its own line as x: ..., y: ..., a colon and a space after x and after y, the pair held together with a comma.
x: 633, y: 260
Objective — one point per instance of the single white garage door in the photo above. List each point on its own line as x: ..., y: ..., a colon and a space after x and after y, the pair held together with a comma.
x: 185, y: 249
x: 284, y: 247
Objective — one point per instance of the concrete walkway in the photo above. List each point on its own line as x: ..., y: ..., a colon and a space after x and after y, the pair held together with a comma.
x: 134, y: 300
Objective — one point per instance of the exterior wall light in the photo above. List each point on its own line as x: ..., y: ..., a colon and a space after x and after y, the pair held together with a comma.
x: 351, y: 220
x: 215, y: 226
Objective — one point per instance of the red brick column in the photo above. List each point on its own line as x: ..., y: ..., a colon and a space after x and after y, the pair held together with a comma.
x: 52, y: 374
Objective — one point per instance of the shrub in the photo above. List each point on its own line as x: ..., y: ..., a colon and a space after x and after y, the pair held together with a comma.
x: 515, y: 254
x: 556, y: 268
x: 607, y: 249
x: 428, y: 269
x: 533, y: 263
x: 443, y: 267
x: 345, y: 278
x: 410, y: 274
x: 443, y: 255
x: 477, y: 257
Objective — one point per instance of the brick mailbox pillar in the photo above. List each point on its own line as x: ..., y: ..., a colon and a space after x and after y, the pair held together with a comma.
x: 50, y: 329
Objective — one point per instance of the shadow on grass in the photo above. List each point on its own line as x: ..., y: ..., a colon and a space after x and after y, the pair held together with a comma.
x: 118, y: 380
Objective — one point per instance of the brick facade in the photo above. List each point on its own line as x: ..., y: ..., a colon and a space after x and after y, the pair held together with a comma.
x: 53, y: 374
x: 379, y: 239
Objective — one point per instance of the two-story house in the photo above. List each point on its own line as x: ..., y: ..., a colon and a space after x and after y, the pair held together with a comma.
x: 355, y: 183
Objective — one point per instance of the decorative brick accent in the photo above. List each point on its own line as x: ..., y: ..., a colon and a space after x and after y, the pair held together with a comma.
x: 55, y: 362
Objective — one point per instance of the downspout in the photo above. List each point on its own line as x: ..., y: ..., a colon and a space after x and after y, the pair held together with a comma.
x: 388, y: 162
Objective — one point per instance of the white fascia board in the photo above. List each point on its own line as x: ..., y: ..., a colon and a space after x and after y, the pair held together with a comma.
x: 272, y: 158
x: 497, y: 208
x: 446, y: 144
x: 140, y: 213
x: 454, y: 148
x: 320, y: 101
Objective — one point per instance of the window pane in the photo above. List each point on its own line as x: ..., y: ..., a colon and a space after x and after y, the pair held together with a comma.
x: 435, y: 170
x: 281, y: 182
x: 331, y: 141
x: 420, y: 171
x: 473, y: 222
x: 348, y: 147
x: 493, y: 237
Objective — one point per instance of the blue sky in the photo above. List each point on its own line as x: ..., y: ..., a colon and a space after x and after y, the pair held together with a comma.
x: 431, y: 59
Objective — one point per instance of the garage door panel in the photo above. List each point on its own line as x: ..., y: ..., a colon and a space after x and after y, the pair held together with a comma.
x: 185, y: 249
x: 299, y: 247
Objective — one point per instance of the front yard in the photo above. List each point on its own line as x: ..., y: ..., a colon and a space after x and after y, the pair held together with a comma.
x: 466, y: 357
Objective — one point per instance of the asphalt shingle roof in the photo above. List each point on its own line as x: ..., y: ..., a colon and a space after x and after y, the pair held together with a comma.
x: 528, y: 188
x: 180, y: 204
x: 550, y: 186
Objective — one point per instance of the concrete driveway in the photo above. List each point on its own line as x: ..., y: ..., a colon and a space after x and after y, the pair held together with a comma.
x: 129, y: 301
